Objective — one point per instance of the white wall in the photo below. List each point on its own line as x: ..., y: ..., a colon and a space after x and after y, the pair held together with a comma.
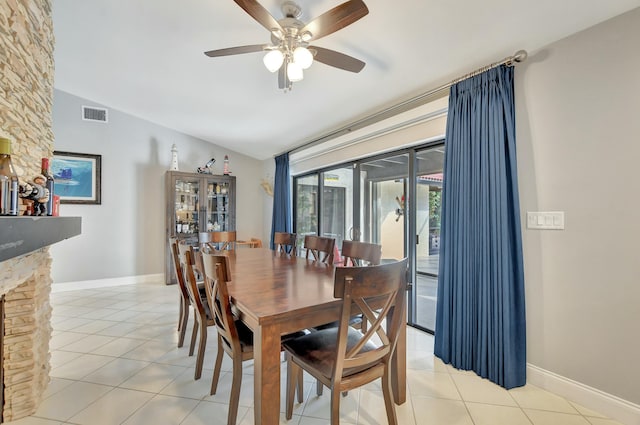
x: 124, y: 236
x: 578, y: 121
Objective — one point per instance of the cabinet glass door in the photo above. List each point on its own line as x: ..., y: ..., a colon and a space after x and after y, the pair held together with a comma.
x: 217, y: 213
x: 186, y: 206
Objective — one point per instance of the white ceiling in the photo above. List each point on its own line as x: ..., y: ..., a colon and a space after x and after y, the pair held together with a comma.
x: 145, y: 57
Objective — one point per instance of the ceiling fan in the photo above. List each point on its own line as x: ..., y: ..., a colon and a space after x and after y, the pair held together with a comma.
x: 289, y: 52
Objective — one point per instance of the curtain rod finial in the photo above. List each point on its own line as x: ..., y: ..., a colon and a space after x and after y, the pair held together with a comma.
x: 520, y: 56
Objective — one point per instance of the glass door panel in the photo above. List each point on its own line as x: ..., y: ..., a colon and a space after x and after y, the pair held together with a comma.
x: 429, y: 164
x: 306, y: 205
x: 383, y: 194
x: 186, y: 206
x: 337, y: 205
x: 217, y: 212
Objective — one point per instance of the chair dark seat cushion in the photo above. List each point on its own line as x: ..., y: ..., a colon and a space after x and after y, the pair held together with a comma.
x: 245, y: 335
x: 354, y: 321
x: 319, y: 349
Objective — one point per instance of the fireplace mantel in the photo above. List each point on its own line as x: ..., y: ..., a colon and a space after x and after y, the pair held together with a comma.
x: 24, y: 234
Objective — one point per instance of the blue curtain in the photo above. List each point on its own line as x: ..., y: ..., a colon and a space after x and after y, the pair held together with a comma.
x: 281, y: 219
x: 480, y: 319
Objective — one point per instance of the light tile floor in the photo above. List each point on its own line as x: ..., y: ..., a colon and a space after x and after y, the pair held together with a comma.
x: 114, y: 361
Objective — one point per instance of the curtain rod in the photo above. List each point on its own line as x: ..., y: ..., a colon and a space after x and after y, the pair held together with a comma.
x: 518, y: 57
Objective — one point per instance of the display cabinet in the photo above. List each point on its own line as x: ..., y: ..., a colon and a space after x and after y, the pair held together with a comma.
x: 196, y: 203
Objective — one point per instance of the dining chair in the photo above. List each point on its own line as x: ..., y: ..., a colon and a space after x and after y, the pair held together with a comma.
x: 285, y: 242
x: 356, y: 253
x: 359, y: 254
x: 343, y: 358
x: 256, y: 243
x: 185, y: 303
x: 217, y: 240
x: 234, y: 337
x: 203, y: 318
x: 321, y: 248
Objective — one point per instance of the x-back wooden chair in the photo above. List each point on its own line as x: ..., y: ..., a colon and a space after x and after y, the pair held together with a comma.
x: 185, y: 303
x: 285, y: 242
x: 203, y: 318
x: 234, y: 337
x: 217, y: 240
x: 319, y: 248
x: 343, y: 358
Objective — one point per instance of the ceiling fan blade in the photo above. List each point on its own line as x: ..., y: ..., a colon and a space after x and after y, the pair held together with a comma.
x: 337, y: 59
x: 260, y: 14
x: 235, y: 50
x: 336, y: 19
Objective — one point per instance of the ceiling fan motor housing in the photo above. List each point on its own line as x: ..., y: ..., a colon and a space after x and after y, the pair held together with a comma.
x: 291, y: 9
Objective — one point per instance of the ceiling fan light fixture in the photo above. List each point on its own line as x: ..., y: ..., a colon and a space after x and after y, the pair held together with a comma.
x: 306, y: 36
x: 273, y: 60
x: 294, y: 72
x: 303, y: 57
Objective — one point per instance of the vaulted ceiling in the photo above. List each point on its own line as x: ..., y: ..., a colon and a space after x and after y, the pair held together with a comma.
x: 145, y: 58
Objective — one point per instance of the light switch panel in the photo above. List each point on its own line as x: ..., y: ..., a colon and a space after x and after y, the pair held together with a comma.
x: 553, y: 220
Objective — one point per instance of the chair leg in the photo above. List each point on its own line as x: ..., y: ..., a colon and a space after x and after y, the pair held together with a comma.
x: 181, y: 314
x: 235, y: 391
x: 194, y: 335
x: 217, y: 367
x: 184, y: 317
x: 335, y: 407
x: 319, y: 388
x: 293, y: 375
x: 300, y: 388
x: 388, y: 398
x: 201, y: 347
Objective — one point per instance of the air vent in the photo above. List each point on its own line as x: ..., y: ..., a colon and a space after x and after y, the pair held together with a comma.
x: 91, y: 113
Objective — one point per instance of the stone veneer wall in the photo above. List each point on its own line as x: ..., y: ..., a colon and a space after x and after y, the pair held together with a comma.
x: 26, y: 94
x: 27, y: 332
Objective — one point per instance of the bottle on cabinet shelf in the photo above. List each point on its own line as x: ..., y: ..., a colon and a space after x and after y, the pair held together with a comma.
x: 8, y: 180
x: 48, y: 184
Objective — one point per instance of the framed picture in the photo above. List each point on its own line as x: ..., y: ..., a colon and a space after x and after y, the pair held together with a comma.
x: 77, y: 177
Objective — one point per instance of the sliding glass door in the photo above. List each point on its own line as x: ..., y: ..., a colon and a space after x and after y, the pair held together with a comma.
x: 392, y: 200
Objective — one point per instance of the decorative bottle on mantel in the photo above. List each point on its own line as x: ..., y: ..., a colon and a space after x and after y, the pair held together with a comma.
x: 49, y: 184
x: 8, y: 180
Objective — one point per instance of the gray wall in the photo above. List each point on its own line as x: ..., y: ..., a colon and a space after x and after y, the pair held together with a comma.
x: 125, y: 235
x: 578, y: 121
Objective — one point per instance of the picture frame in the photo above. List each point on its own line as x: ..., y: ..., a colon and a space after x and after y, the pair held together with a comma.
x: 77, y: 177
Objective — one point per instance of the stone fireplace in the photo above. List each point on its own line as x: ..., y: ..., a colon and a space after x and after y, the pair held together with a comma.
x: 25, y: 283
x: 26, y: 92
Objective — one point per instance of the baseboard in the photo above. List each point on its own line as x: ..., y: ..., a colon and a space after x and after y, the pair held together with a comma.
x: 609, y: 405
x: 104, y: 283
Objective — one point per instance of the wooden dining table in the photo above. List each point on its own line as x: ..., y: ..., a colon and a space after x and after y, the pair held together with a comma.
x: 277, y: 294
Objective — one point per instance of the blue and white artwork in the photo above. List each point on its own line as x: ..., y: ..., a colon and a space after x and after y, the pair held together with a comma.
x: 76, y: 177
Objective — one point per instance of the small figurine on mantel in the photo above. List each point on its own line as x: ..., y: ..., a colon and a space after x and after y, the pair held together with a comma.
x: 225, y: 170
x: 174, y: 158
x: 36, y: 192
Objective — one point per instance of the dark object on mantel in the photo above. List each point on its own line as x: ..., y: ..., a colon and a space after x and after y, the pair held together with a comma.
x: 21, y: 235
